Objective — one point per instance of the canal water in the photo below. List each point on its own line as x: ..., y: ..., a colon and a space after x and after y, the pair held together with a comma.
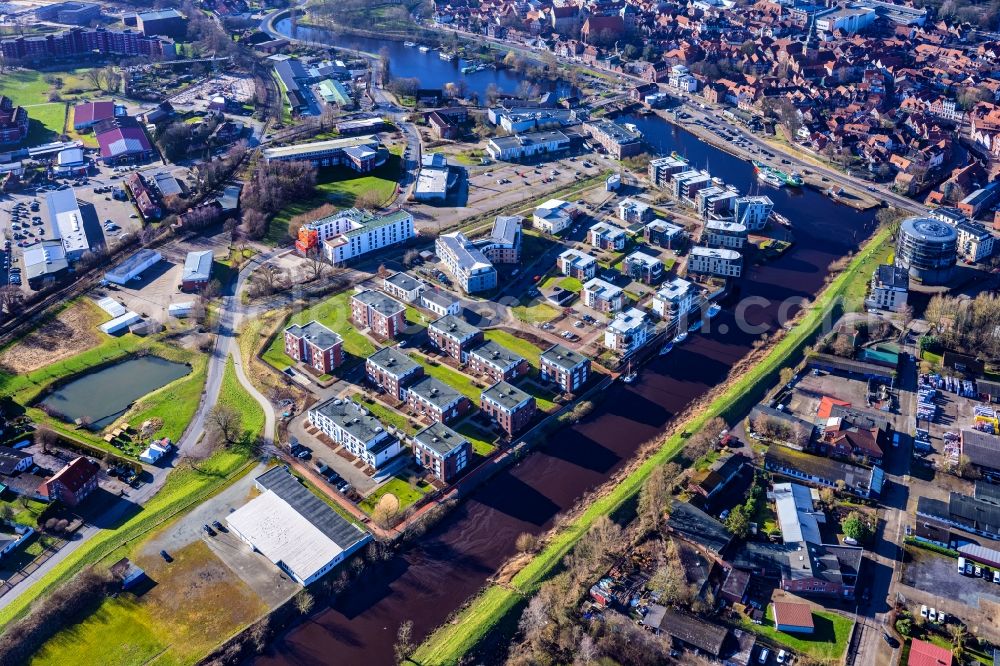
x: 429, y: 68
x: 104, y: 395
x: 427, y: 581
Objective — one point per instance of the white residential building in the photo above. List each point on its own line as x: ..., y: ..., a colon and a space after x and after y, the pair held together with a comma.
x: 631, y: 211
x: 466, y: 262
x: 715, y: 261
x: 975, y: 243
x: 723, y: 233
x: 349, y: 425
x: 629, y: 331
x: 602, y: 296
x: 674, y: 300
x: 553, y: 217
x: 577, y: 264
x: 889, y: 288
x: 752, y: 212
x: 352, y: 233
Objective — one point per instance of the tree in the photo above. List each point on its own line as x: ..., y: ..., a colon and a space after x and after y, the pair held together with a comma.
x: 46, y: 437
x: 386, y: 510
x: 11, y: 299
x: 368, y: 200
x: 304, y: 602
x: 267, y: 279
x: 316, y: 266
x: 669, y: 580
x: 858, y: 526
x: 738, y: 521
x: 890, y: 218
x: 654, y: 497
x: 404, y: 646
x: 785, y: 376
x: 227, y: 422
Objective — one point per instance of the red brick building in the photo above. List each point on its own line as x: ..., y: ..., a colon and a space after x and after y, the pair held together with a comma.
x: 392, y: 371
x: 497, y: 362
x: 315, y: 345
x: 442, y: 451
x: 510, y: 407
x: 453, y: 336
x: 568, y: 369
x: 436, y: 401
x: 382, y: 314
x: 73, y: 483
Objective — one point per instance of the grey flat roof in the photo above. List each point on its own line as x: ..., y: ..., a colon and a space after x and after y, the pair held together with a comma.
x: 383, y: 303
x: 506, y: 395
x: 434, y: 391
x: 339, y: 530
x: 316, y: 333
x: 198, y: 265
x: 496, y: 354
x: 454, y: 327
x: 440, y: 438
x: 393, y: 361
x: 505, y: 228
x: 439, y: 298
x: 353, y: 418
x: 404, y: 281
x: 563, y: 357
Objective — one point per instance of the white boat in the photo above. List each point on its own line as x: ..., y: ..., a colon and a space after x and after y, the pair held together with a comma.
x: 446, y: 56
x: 713, y: 310
x: 629, y: 377
x: 681, y: 337
x: 769, y: 179
x: 695, y: 326
x: 666, y: 349
x: 423, y: 49
x: 409, y: 44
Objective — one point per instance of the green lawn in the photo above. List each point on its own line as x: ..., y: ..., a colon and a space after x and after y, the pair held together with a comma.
x: 515, y: 344
x: 827, y: 643
x: 493, y: 604
x: 47, y: 122
x: 334, y: 313
x: 404, y: 492
x: 232, y: 394
x: 341, y: 186
x: 566, y: 282
x: 482, y: 441
x: 538, y: 311
x: 453, y: 378
x: 386, y: 415
x: 24, y: 87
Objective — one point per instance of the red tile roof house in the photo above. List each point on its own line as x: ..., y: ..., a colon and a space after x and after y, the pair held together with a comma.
x: 923, y: 653
x: 73, y: 483
x: 88, y: 114
x: 793, y: 618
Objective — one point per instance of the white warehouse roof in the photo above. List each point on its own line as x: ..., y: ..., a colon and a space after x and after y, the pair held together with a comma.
x: 283, y: 535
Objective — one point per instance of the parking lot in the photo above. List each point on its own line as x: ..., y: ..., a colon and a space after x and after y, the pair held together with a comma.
x: 938, y: 575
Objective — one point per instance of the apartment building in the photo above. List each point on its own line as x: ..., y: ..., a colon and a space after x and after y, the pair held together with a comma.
x: 353, y: 233
x: 508, y: 406
x: 382, y: 314
x: 403, y: 287
x: 351, y: 426
x: 454, y: 336
x: 577, y: 264
x: 607, y: 237
x: 602, y: 296
x: 392, y: 371
x: 442, y: 451
x: 434, y: 400
x: 889, y: 288
x: 715, y: 261
x: 723, y: 233
x: 472, y: 271
x: 497, y: 362
x: 568, y: 369
x: 674, y: 300
x: 643, y: 267
x: 314, y: 345
x: 665, y: 234
x: 629, y: 331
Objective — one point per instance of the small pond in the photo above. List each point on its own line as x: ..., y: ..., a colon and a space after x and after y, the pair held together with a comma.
x: 104, y: 395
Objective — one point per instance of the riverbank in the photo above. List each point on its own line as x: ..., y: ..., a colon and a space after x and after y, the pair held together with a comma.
x: 857, y: 199
x: 461, y: 633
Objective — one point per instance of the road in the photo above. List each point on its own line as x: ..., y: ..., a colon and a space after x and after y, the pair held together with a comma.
x: 193, y: 443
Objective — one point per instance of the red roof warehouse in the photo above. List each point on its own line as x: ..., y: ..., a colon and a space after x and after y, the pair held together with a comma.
x: 88, y: 114
x: 124, y: 144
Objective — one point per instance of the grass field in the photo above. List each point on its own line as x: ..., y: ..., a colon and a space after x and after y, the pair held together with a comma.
x: 566, y: 282
x: 538, y: 311
x: 827, y: 643
x: 450, y: 641
x: 196, y: 603
x: 25, y: 87
x: 47, y: 121
x: 517, y: 345
x: 334, y: 313
x: 340, y: 186
x: 406, y: 494
x: 232, y: 394
x: 386, y: 415
x: 482, y: 441
x: 186, y: 486
x: 453, y: 378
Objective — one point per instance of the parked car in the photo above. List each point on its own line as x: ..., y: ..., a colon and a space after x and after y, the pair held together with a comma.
x: 166, y: 556
x: 781, y: 656
x: 923, y: 611
x: 208, y: 530
x: 763, y: 656
x: 217, y: 525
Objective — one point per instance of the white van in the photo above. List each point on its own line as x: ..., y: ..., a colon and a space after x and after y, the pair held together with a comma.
x: 961, y: 565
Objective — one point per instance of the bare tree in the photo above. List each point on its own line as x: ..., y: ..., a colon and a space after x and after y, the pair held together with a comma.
x: 46, y: 437
x: 316, y: 266
x: 404, y: 646
x: 227, y: 422
x: 304, y: 602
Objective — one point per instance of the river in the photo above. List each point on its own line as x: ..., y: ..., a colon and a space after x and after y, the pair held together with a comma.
x: 427, y: 581
x: 409, y: 62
